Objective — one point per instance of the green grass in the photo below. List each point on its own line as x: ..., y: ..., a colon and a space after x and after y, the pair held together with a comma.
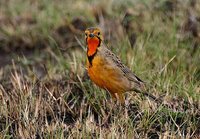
x: 44, y: 89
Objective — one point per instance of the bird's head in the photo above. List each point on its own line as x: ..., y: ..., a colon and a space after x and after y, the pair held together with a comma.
x: 93, y: 37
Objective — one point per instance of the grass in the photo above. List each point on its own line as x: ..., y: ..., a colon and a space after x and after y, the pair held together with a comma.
x: 46, y: 93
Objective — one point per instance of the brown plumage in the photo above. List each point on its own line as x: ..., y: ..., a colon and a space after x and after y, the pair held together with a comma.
x: 107, y: 71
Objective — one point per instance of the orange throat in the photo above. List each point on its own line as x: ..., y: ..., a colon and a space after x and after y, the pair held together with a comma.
x: 93, y: 44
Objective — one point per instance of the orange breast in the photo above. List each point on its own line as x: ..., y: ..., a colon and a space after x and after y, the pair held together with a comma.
x: 106, y: 76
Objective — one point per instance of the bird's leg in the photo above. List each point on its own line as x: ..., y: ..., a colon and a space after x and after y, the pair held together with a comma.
x: 121, y: 98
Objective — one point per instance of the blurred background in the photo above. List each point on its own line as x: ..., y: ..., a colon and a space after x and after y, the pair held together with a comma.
x: 44, y: 87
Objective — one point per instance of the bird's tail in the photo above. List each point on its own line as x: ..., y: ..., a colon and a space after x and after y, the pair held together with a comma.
x: 150, y: 96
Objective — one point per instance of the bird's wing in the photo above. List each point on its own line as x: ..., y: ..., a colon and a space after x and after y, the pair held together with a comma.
x: 126, y: 71
x: 129, y: 75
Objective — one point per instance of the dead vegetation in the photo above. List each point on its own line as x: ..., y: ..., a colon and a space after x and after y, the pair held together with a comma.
x: 46, y: 93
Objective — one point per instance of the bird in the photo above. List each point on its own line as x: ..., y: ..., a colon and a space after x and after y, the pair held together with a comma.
x: 106, y: 69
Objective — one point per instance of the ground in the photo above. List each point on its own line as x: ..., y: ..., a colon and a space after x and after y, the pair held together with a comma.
x: 44, y: 88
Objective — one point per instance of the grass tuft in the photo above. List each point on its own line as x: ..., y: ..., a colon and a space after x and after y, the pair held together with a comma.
x: 45, y: 91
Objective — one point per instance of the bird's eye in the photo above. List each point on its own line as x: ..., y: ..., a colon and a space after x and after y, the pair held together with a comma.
x: 86, y: 34
x: 98, y: 33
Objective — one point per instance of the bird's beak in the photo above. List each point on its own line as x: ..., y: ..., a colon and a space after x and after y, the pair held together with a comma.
x: 91, y: 35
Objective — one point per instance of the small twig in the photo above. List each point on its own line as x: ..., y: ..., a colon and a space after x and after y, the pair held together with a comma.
x: 79, y: 42
x: 167, y: 64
